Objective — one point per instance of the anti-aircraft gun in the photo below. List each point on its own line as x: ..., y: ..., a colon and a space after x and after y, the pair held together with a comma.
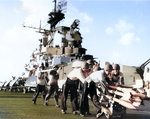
x: 70, y: 50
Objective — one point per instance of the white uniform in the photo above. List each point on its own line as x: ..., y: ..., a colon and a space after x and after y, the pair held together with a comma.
x: 41, y: 81
x: 77, y: 73
x: 96, y: 76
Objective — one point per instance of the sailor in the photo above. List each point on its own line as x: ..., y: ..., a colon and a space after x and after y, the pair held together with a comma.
x: 91, y: 90
x: 101, y: 75
x: 32, y: 66
x: 107, y: 74
x: 52, y: 86
x: 41, y: 82
x: 71, y: 85
x: 117, y: 75
x: 93, y: 65
x: 99, y: 79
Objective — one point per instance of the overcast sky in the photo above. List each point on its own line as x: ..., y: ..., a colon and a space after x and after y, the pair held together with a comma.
x: 113, y: 30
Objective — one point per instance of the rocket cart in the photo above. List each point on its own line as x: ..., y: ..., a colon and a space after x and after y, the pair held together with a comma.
x: 117, y: 110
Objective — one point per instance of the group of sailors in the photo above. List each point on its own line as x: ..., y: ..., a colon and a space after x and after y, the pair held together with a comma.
x: 47, y: 85
x: 84, y: 81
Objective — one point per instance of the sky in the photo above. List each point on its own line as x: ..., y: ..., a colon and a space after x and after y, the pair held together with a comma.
x: 115, y: 31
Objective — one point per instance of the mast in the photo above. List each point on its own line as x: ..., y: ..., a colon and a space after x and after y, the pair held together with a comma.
x: 55, y: 5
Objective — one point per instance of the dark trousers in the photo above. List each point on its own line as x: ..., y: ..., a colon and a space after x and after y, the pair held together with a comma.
x: 91, y: 91
x: 70, y: 86
x: 39, y: 88
x: 52, y: 89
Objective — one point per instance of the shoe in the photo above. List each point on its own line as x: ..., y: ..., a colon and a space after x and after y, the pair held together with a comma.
x: 57, y: 106
x: 78, y: 112
x: 98, y: 115
x: 88, y: 113
x: 106, y: 110
x: 82, y: 115
x: 63, y: 112
x: 34, y: 102
x: 46, y: 104
x: 74, y: 112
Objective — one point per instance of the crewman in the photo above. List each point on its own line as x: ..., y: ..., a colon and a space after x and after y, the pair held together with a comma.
x: 117, y: 75
x: 52, y: 87
x: 107, y: 73
x: 99, y: 79
x: 91, y: 90
x: 41, y: 82
x: 71, y: 85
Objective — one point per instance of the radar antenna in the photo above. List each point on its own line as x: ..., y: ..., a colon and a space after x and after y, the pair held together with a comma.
x: 57, y: 15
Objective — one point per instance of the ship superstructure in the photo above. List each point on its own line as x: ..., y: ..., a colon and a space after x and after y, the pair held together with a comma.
x: 47, y: 56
